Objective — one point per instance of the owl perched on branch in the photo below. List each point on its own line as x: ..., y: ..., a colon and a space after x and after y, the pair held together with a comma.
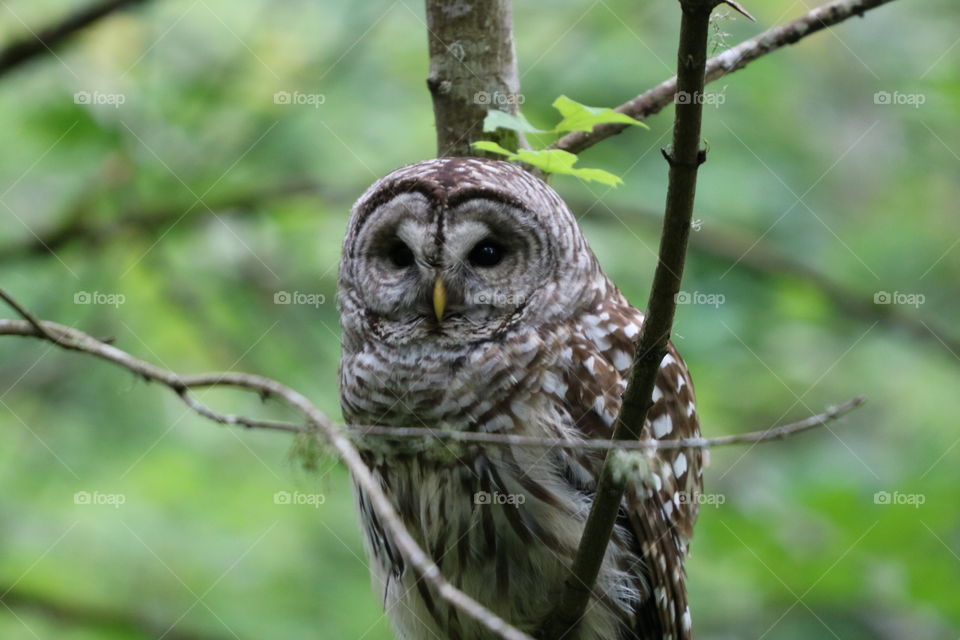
x: 471, y: 301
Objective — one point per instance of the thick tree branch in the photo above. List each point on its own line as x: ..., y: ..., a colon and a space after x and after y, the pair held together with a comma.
x: 473, y: 68
x: 425, y: 568
x: 48, y: 38
x: 655, y: 99
x: 684, y: 158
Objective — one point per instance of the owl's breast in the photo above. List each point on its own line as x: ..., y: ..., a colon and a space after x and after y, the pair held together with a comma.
x: 463, y: 387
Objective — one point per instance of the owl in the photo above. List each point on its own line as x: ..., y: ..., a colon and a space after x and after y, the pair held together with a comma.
x: 470, y: 301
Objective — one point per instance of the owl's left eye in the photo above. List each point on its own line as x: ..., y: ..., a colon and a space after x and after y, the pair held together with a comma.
x: 400, y: 255
x: 486, y: 254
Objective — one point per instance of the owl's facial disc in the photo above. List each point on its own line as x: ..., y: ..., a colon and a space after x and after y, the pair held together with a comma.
x: 471, y: 267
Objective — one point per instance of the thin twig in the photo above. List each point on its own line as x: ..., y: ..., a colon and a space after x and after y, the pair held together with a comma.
x: 426, y: 569
x: 48, y: 38
x: 655, y: 99
x: 360, y: 434
x: 506, y: 440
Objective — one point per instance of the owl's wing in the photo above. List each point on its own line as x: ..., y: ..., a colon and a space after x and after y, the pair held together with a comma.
x: 659, y: 518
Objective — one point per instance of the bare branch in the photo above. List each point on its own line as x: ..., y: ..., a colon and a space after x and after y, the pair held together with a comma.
x: 79, y: 227
x: 743, y: 251
x: 47, y: 38
x: 75, y: 340
x: 684, y: 159
x: 506, y: 440
x: 655, y: 99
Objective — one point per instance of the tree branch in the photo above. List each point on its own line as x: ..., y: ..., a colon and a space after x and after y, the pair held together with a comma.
x: 47, y: 38
x: 655, y: 99
x: 684, y: 160
x: 473, y: 68
x: 506, y: 440
x: 740, y: 250
x: 67, y: 612
x: 426, y: 569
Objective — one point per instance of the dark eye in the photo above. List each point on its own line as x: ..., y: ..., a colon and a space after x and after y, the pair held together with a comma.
x: 400, y: 255
x: 485, y: 254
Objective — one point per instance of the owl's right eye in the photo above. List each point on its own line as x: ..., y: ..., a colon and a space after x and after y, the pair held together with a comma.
x: 400, y: 255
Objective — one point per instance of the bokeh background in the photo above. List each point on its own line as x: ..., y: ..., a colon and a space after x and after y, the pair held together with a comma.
x: 153, y: 190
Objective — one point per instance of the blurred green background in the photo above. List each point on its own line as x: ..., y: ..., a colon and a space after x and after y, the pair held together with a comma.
x: 171, y: 221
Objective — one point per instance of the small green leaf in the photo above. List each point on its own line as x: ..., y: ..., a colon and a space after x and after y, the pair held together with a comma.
x: 497, y: 119
x: 580, y: 117
x: 492, y: 147
x: 559, y: 161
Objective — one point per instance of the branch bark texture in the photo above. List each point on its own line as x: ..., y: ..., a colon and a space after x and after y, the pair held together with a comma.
x: 473, y: 68
x: 684, y: 159
x: 653, y: 100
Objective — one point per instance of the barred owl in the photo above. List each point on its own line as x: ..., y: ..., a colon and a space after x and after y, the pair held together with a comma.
x: 470, y: 301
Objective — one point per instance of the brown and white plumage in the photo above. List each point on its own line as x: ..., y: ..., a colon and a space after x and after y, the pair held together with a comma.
x: 529, y: 339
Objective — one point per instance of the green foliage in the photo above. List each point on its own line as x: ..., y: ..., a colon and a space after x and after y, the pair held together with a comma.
x: 551, y: 161
x: 574, y: 117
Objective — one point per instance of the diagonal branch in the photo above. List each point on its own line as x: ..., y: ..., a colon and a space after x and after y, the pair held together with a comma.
x: 652, y: 101
x: 46, y: 39
x: 67, y: 612
x: 426, y: 569
x: 684, y: 160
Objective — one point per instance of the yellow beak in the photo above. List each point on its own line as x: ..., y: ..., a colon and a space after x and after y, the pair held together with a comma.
x: 439, y: 298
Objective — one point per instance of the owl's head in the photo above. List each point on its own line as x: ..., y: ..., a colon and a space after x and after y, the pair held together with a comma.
x: 459, y: 249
